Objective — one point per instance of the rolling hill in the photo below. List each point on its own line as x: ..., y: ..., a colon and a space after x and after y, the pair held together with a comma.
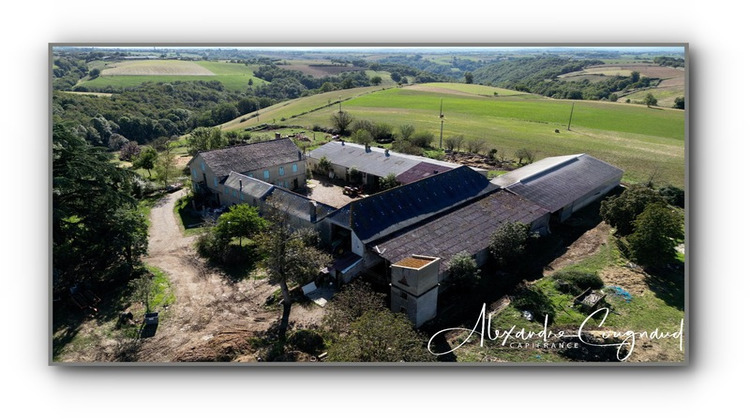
x: 645, y: 142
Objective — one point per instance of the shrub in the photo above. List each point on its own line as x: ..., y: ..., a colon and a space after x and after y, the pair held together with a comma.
x: 463, y: 270
x: 422, y: 139
x: 620, y: 212
x: 576, y: 282
x: 307, y: 341
x: 508, y: 244
x: 674, y: 195
x: 535, y: 301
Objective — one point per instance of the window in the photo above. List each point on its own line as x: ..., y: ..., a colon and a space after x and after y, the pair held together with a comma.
x: 281, y: 171
x: 234, y: 193
x: 203, y: 166
x: 249, y: 175
x: 266, y: 174
x: 195, y: 173
x: 294, y: 168
x: 216, y: 182
x: 226, y: 190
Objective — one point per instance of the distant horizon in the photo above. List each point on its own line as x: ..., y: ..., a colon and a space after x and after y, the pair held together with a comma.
x: 672, y: 48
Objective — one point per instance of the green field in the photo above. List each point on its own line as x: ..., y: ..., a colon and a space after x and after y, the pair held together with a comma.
x: 642, y: 141
x: 286, y: 110
x: 664, y: 96
x: 232, y: 75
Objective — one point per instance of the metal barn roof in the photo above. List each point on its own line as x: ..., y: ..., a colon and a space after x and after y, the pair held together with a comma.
x: 553, y: 183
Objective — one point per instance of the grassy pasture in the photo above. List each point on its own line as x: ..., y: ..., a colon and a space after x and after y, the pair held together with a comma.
x: 287, y: 109
x: 665, y: 96
x: 642, y: 141
x: 129, y: 74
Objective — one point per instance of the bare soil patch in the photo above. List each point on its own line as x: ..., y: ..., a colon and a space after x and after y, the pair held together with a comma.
x: 632, y: 280
x: 587, y: 245
x: 212, y: 317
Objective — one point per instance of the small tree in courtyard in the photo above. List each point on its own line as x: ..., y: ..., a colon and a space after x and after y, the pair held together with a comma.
x: 389, y: 181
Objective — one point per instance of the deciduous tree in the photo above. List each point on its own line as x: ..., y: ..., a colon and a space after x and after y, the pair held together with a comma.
x: 341, y: 121
x: 657, y: 231
x: 204, y: 138
x: 509, y: 243
x: 621, y: 211
x: 380, y: 336
x: 290, y: 255
x: 241, y: 221
x: 146, y: 159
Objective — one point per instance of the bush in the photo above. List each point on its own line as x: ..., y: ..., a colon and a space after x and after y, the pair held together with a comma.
x: 422, y: 139
x: 463, y: 270
x: 620, y: 212
x: 576, y: 282
x: 535, y: 301
x: 212, y: 246
x: 657, y: 231
x: 508, y: 244
x: 674, y: 195
x: 307, y: 341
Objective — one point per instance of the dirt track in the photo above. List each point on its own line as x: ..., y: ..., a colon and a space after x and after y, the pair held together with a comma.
x: 207, y: 304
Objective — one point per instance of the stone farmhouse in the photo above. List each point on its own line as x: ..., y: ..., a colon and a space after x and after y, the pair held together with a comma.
x: 278, y: 162
x: 407, y: 235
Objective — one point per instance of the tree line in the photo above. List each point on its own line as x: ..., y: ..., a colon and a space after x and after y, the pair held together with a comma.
x: 540, y: 75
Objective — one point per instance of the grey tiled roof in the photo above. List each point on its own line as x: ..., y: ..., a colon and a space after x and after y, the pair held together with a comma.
x: 295, y: 204
x: 250, y: 186
x: 556, y: 186
x: 251, y: 157
x: 468, y: 228
x: 374, y: 162
x: 298, y: 205
x: 400, y: 207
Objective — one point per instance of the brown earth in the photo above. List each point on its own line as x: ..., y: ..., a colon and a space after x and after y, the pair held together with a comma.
x: 211, y: 315
x: 587, y: 245
x: 211, y: 319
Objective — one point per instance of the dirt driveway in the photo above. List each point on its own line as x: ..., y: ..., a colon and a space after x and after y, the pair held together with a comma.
x: 208, y: 306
